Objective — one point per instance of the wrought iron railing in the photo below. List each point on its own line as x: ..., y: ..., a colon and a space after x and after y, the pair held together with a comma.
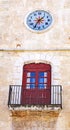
x: 15, y: 96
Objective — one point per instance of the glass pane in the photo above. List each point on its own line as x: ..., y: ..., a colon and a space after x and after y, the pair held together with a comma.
x: 28, y: 74
x: 28, y: 86
x: 45, y: 74
x: 41, y: 86
x: 45, y: 86
x: 32, y: 85
x: 28, y: 80
x: 41, y: 74
x: 41, y: 80
x: 32, y: 80
x: 45, y: 80
x: 32, y: 74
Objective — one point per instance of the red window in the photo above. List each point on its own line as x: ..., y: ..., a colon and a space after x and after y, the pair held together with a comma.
x: 36, y: 75
x: 31, y: 80
x: 36, y: 80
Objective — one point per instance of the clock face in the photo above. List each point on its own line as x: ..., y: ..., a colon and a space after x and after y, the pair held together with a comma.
x: 39, y: 20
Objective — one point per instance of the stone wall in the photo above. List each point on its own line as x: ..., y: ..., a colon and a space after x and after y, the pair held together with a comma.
x: 14, y: 34
x: 19, y: 45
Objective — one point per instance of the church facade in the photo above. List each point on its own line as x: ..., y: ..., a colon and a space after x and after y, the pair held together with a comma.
x: 35, y: 54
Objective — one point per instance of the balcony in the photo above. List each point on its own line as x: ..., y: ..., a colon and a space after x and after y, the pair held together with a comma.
x: 15, y: 97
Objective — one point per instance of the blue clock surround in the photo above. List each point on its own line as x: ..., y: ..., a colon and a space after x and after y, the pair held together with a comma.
x: 39, y: 20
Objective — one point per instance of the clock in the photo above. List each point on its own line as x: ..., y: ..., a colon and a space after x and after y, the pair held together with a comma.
x: 39, y: 20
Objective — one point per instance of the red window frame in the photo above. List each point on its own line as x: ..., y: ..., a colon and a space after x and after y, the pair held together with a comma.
x: 36, y: 67
x: 36, y: 95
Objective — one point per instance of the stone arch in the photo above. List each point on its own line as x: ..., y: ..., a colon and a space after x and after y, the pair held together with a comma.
x: 37, y: 61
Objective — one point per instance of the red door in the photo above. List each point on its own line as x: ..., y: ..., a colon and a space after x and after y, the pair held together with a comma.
x: 36, y: 84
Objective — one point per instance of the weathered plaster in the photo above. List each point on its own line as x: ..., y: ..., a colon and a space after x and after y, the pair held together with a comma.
x: 18, y: 46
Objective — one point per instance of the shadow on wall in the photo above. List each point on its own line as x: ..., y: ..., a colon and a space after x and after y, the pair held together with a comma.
x: 34, y: 120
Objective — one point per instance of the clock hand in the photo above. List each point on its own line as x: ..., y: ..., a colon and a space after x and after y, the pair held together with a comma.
x: 36, y: 24
x: 43, y: 17
x: 39, y: 21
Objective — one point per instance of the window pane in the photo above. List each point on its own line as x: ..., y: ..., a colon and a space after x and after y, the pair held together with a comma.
x: 41, y: 80
x: 45, y: 74
x: 45, y: 86
x: 28, y: 86
x: 45, y: 80
x: 41, y: 74
x: 41, y: 86
x: 28, y: 80
x: 30, y: 74
x: 32, y: 85
x: 32, y: 80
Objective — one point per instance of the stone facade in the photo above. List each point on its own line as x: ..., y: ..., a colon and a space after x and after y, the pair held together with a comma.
x: 19, y: 45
